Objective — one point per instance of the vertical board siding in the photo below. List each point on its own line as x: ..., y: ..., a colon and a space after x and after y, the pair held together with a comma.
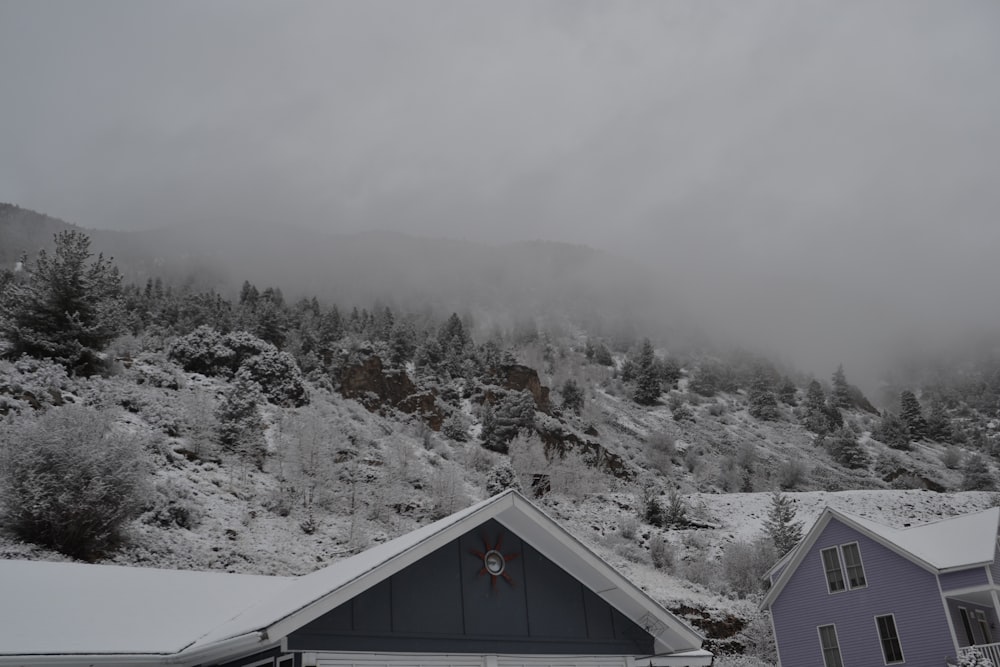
x: 951, y: 581
x: 895, y: 586
x: 445, y: 602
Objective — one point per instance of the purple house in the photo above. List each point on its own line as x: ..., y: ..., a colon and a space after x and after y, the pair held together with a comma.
x: 855, y: 593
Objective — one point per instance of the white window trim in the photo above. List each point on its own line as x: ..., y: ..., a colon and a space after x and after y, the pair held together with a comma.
x: 847, y: 579
x: 966, y: 619
x: 822, y: 649
x: 261, y: 663
x: 840, y: 563
x: 898, y: 639
x: 984, y: 626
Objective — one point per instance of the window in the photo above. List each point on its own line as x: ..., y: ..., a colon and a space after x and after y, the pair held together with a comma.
x: 967, y: 624
x: 984, y: 626
x: 836, y: 581
x: 855, y: 571
x: 891, y: 649
x: 831, y: 647
x: 834, y: 575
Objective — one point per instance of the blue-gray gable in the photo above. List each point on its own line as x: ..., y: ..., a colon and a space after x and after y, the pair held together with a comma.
x: 447, y: 603
x: 895, y: 586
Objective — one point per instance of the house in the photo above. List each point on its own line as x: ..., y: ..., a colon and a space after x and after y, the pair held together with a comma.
x: 498, y: 584
x: 854, y: 592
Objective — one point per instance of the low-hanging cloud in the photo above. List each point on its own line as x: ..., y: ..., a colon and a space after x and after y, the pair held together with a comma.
x: 818, y: 177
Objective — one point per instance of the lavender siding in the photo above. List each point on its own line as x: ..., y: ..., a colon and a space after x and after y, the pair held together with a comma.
x: 977, y: 632
x: 895, y: 586
x: 953, y: 581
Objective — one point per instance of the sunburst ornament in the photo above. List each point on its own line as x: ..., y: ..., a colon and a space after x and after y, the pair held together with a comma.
x: 494, y: 561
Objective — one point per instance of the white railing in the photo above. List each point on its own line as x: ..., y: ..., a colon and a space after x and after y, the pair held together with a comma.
x: 991, y: 651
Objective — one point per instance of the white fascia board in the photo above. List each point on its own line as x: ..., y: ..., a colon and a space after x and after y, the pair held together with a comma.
x: 807, y: 543
x: 245, y: 644
x: 314, y: 609
x: 698, y: 658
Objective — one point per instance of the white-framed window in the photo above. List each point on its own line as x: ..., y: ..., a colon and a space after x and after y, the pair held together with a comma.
x: 967, y: 625
x: 834, y: 574
x: 892, y: 650
x: 984, y: 626
x: 830, y: 646
x: 855, y: 569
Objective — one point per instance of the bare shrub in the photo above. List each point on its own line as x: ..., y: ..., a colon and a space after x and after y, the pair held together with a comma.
x: 951, y: 457
x: 744, y: 565
x: 792, y: 474
x: 70, y: 480
x: 628, y: 525
x: 661, y: 552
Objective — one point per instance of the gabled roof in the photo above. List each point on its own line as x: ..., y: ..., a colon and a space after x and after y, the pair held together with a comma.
x: 956, y: 543
x: 194, y: 615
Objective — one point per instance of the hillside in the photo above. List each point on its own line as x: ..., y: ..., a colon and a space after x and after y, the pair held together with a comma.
x: 263, y: 435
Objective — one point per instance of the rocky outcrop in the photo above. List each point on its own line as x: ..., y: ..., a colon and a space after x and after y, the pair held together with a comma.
x: 559, y: 439
x: 516, y: 377
x: 376, y: 388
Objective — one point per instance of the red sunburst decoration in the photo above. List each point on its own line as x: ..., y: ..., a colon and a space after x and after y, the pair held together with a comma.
x: 494, y: 562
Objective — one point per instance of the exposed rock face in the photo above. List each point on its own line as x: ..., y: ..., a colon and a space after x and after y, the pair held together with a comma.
x: 523, y: 378
x: 558, y: 439
x: 376, y: 388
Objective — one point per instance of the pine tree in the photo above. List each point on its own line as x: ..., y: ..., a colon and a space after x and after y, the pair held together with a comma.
x: 846, y: 450
x: 241, y: 428
x: 68, y: 308
x: 841, y: 396
x: 787, y: 392
x: 912, y: 415
x: 893, y: 432
x: 976, y: 474
x: 648, y: 387
x: 572, y: 395
x: 761, y: 403
x: 938, y: 423
x: 816, y: 417
x: 780, y: 525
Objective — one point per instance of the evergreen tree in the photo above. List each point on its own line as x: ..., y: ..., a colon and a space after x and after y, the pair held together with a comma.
x: 648, y: 388
x: 787, y: 392
x: 816, y: 417
x: 780, y: 525
x: 68, y: 308
x: 572, y: 396
x: 976, y: 474
x: 841, y: 396
x: 939, y: 428
x: 761, y: 403
x: 241, y: 428
x: 846, y: 450
x: 706, y: 380
x: 912, y: 415
x: 893, y: 432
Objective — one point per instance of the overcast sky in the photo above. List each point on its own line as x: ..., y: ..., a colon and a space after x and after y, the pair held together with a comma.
x: 830, y: 169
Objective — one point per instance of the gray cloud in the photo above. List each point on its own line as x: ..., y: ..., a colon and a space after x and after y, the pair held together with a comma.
x: 817, y: 176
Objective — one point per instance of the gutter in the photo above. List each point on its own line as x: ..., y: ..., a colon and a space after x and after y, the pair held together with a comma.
x: 249, y: 642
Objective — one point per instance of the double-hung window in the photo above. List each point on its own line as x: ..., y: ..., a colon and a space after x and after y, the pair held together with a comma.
x: 830, y: 645
x: 892, y: 651
x: 852, y: 560
x: 843, y: 568
x: 834, y: 573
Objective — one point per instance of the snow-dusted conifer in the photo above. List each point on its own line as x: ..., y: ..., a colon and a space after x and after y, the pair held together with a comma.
x: 780, y: 525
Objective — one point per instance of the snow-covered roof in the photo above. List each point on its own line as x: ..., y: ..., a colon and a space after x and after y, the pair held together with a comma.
x: 953, y: 543
x: 950, y: 544
x: 63, y: 608
x: 147, y: 614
